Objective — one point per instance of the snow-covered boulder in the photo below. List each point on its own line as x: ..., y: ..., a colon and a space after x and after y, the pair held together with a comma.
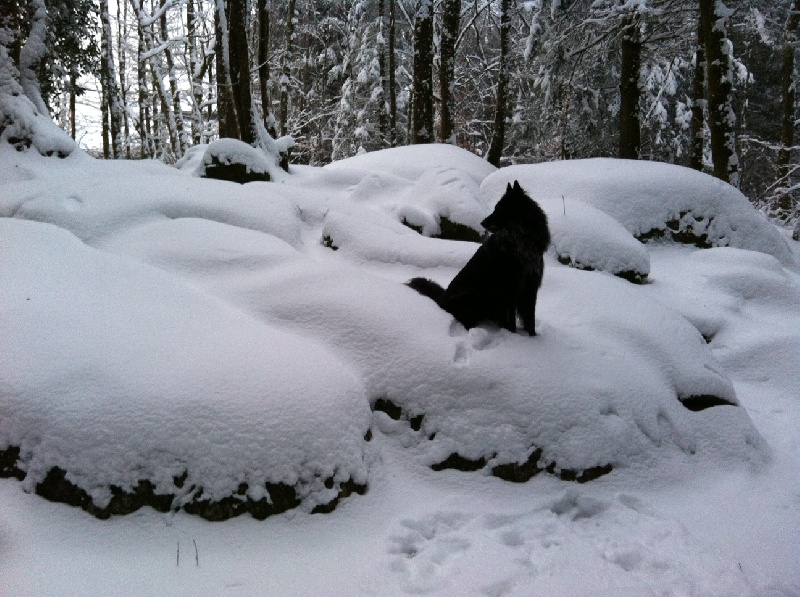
x: 124, y: 387
x: 234, y: 161
x: 652, y: 199
x: 587, y: 238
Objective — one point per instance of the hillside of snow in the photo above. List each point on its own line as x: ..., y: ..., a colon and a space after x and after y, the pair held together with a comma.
x: 178, y: 349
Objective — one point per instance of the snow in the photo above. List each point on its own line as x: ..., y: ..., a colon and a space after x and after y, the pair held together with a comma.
x: 156, y: 324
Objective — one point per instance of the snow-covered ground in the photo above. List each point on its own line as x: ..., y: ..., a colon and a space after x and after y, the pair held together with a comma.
x: 226, y: 346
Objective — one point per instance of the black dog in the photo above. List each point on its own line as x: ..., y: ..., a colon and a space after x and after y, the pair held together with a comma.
x: 504, y: 276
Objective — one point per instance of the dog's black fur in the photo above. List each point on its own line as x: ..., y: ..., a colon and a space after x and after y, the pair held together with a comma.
x: 504, y: 276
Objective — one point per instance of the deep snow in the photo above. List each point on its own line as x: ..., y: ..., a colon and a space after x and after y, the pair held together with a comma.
x: 156, y: 324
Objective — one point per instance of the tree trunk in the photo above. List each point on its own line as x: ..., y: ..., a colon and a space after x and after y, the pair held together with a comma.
x: 195, y: 72
x: 788, y: 86
x: 422, y: 114
x: 501, y: 108
x: 263, y: 67
x: 226, y: 113
x: 104, y: 132
x: 108, y: 80
x: 696, y: 130
x: 451, y: 13
x: 145, y: 151
x: 239, y: 62
x: 122, y: 34
x: 383, y: 113
x: 392, y: 83
x: 73, y: 84
x: 176, y: 119
x: 630, y: 90
x: 721, y: 117
x: 291, y: 19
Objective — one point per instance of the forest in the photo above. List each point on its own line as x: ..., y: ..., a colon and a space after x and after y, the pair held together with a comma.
x: 704, y: 84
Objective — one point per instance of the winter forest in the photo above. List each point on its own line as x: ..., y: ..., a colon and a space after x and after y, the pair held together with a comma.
x: 705, y: 84
x: 210, y: 388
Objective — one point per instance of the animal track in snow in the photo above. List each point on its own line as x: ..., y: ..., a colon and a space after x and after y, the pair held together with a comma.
x: 427, y: 549
x: 512, y: 554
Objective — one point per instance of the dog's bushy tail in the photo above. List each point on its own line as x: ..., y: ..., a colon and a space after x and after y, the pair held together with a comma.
x: 428, y: 288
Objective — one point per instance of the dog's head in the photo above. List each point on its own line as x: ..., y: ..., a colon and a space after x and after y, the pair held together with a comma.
x: 516, y: 210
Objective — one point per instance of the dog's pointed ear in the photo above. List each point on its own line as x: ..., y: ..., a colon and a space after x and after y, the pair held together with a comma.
x: 516, y: 186
x: 508, y: 188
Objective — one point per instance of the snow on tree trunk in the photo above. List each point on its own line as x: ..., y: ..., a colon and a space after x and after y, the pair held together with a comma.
x: 422, y: 119
x: 122, y: 34
x: 630, y: 89
x: 143, y: 99
x: 33, y: 53
x: 501, y: 107
x: 714, y: 16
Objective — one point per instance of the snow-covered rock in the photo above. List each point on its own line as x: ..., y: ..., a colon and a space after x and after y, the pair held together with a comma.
x: 587, y: 238
x: 652, y: 199
x: 118, y: 377
x: 234, y: 161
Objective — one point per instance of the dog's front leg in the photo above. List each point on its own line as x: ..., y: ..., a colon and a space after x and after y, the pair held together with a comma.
x: 526, y: 305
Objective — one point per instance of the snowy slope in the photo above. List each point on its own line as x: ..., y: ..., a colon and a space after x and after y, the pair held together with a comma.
x: 203, y: 341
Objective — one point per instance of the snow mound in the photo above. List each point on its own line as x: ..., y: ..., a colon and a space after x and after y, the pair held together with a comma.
x: 617, y: 382
x: 22, y: 126
x: 587, y: 238
x: 411, y: 162
x: 126, y: 381
x: 652, y: 199
x: 187, y: 343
